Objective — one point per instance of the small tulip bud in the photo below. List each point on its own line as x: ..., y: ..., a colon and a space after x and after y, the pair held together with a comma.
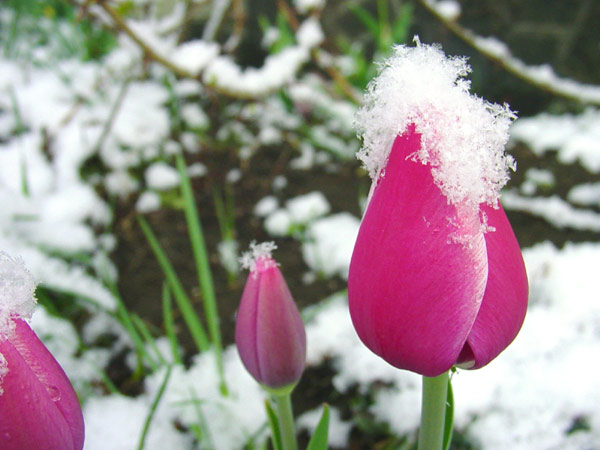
x: 269, y: 332
x: 38, y: 406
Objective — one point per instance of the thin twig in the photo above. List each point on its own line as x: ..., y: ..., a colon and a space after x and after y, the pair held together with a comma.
x: 149, y: 51
x: 561, y: 87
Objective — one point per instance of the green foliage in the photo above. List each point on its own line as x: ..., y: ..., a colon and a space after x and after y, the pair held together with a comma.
x: 56, y: 25
x: 285, y: 35
x: 320, y: 437
x: 384, y: 31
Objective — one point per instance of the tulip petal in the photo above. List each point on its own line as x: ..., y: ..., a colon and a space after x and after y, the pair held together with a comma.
x: 29, y: 417
x: 505, y: 300
x: 52, y: 377
x: 245, y: 326
x: 414, y: 290
x: 281, y: 337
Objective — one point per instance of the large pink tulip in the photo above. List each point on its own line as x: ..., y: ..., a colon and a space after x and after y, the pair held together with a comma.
x: 428, y: 286
x: 269, y: 332
x: 38, y: 406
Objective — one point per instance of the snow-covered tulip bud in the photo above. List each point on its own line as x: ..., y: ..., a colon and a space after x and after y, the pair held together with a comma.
x: 436, y: 277
x: 38, y: 406
x: 269, y: 332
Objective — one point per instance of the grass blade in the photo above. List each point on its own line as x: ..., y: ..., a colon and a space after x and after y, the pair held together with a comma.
x: 145, y: 333
x: 153, y: 407
x: 202, y: 266
x: 319, y: 439
x: 274, y: 426
x: 170, y: 324
x: 183, y: 302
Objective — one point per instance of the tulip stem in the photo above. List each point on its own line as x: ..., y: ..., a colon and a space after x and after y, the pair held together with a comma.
x: 433, y: 412
x: 286, y: 421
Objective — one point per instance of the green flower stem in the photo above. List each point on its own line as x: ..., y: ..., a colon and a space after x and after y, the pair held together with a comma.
x: 433, y: 412
x: 286, y: 421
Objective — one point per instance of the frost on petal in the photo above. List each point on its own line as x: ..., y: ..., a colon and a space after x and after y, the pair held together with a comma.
x: 462, y: 136
x: 259, y: 256
x: 17, y: 289
x: 505, y: 300
x: 413, y: 291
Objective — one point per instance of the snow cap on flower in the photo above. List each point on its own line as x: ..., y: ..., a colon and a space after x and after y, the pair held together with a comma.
x: 259, y: 256
x: 462, y: 135
x: 17, y: 288
x: 269, y: 332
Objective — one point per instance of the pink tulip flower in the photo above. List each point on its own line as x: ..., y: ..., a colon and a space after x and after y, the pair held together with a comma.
x: 429, y: 286
x: 38, y: 406
x: 269, y: 332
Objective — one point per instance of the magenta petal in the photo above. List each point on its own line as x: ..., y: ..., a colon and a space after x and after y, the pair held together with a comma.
x: 269, y: 332
x: 281, y: 338
x: 505, y: 300
x: 413, y: 290
x: 245, y: 326
x: 38, y: 407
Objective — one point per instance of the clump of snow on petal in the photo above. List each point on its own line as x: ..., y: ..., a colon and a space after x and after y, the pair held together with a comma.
x: 3, y: 370
x: 17, y: 288
x: 462, y: 135
x: 258, y: 254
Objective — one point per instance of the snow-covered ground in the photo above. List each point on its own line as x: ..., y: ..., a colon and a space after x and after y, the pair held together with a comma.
x: 56, y: 114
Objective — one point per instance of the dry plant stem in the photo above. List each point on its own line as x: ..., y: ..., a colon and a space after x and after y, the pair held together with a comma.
x: 470, y: 38
x: 113, y: 113
x: 149, y: 51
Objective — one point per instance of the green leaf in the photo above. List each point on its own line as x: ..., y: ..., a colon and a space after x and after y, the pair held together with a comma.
x: 169, y: 323
x: 366, y: 18
x: 448, y: 422
x: 319, y: 439
x: 153, y: 407
x: 183, y: 302
x: 274, y: 426
x: 200, y: 253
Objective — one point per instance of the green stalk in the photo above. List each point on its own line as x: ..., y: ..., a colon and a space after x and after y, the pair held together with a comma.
x: 169, y: 324
x: 286, y: 421
x: 183, y: 302
x: 203, y: 267
x: 433, y: 412
x: 153, y: 407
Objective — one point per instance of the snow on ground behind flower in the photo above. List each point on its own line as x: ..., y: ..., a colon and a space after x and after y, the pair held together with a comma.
x: 541, y: 387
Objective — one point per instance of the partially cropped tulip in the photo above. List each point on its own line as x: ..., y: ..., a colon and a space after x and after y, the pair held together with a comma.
x: 269, y: 332
x: 421, y: 298
x: 38, y: 406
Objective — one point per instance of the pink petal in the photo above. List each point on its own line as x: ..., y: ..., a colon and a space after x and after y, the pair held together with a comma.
x: 505, y: 300
x: 281, y: 339
x: 36, y: 407
x: 245, y: 326
x: 269, y: 332
x: 413, y: 290
x: 53, y: 377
